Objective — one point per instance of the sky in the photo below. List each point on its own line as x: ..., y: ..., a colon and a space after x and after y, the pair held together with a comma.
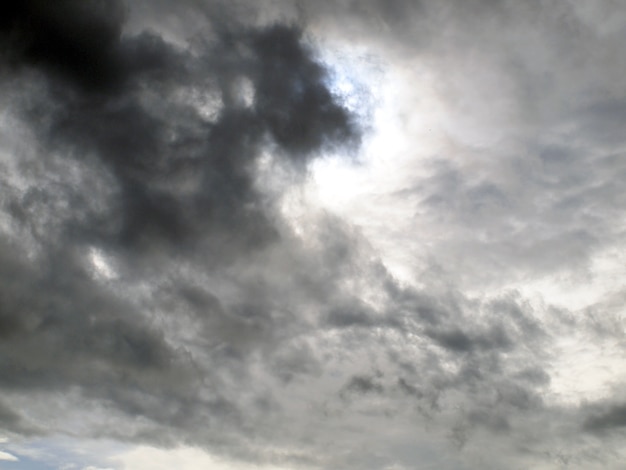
x: 306, y: 235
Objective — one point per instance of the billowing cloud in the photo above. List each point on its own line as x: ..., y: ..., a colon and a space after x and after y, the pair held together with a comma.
x: 313, y: 234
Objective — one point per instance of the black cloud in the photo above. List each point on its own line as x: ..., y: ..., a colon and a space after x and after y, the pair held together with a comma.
x: 97, y: 107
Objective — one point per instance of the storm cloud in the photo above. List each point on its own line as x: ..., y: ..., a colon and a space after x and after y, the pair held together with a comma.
x: 312, y: 234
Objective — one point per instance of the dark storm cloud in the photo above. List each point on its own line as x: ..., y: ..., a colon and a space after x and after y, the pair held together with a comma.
x: 74, y: 39
x: 107, y: 104
x: 108, y: 101
x: 98, y: 105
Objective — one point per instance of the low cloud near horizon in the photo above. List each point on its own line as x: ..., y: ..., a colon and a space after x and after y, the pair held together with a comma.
x: 293, y: 235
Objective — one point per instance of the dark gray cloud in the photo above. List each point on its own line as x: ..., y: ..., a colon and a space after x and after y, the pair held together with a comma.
x: 114, y: 108
x: 110, y: 97
x: 612, y: 418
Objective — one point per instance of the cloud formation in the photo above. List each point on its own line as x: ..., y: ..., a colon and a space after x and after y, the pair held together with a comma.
x: 169, y: 277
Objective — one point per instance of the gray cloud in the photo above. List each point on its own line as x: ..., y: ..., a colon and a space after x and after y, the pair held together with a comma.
x: 603, y: 417
x: 154, y: 288
x: 152, y: 146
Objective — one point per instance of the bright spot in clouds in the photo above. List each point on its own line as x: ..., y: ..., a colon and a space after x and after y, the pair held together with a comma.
x: 101, y: 265
x: 182, y: 458
x: 8, y: 457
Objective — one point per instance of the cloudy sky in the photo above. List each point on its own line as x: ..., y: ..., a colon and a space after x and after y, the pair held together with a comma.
x: 309, y: 235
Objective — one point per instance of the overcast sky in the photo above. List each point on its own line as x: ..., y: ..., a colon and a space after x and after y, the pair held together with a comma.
x: 309, y: 235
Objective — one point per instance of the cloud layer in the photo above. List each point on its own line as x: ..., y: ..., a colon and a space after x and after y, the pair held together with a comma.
x: 173, y: 275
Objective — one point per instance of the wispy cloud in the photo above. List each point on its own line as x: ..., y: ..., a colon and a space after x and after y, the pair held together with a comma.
x: 8, y: 457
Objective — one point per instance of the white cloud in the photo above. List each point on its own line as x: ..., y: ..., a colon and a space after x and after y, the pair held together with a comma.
x: 182, y: 458
x: 8, y: 457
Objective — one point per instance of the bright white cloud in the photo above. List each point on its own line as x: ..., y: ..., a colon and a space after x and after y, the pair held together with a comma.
x: 8, y: 457
x: 181, y: 458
